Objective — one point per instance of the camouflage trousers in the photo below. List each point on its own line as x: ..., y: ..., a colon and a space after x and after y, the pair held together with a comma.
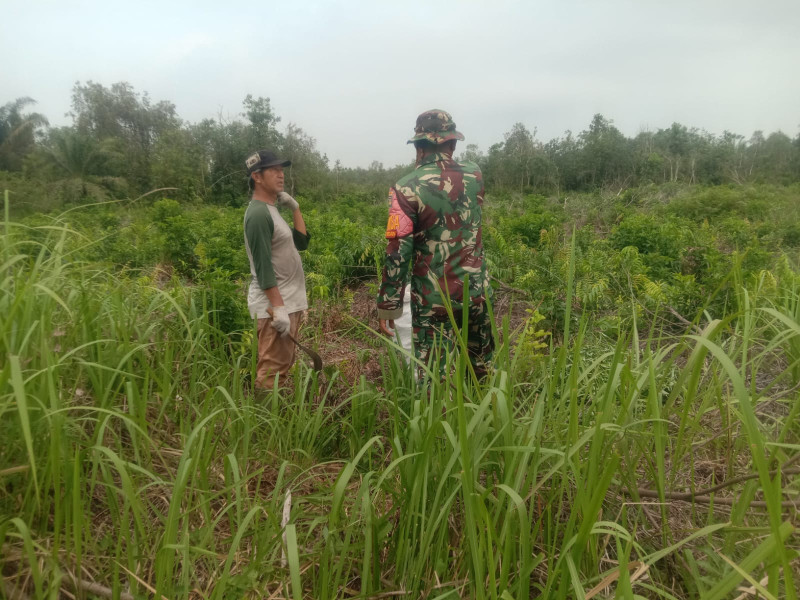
x: 434, y: 330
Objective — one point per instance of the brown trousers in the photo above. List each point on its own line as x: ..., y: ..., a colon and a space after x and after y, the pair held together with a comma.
x: 275, y: 353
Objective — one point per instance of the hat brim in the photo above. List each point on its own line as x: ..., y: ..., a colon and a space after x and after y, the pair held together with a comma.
x: 273, y: 163
x: 436, y: 138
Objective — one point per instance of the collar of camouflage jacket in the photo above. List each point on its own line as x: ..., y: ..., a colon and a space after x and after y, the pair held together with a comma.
x: 434, y: 157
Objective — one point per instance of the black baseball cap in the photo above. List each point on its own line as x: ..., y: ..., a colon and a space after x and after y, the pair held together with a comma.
x: 264, y: 159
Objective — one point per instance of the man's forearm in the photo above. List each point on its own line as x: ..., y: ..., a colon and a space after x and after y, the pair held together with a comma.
x: 298, y: 222
x: 274, y: 296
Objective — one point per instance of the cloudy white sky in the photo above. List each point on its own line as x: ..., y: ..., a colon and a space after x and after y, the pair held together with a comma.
x: 355, y: 74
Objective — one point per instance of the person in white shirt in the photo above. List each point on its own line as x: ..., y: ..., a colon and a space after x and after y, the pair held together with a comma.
x: 277, y: 292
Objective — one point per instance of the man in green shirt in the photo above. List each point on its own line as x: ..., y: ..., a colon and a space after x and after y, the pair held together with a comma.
x: 277, y: 293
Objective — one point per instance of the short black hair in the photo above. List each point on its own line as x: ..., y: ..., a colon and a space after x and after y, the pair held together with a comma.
x: 424, y: 145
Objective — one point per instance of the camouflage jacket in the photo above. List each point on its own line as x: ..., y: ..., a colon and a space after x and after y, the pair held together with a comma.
x: 434, y: 229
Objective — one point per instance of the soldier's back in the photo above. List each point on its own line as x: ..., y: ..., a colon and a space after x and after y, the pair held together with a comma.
x: 447, y: 237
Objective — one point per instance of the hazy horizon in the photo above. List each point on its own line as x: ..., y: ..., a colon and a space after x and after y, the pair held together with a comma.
x: 355, y: 75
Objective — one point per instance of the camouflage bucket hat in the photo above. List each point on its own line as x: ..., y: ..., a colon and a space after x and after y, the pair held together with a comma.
x: 436, y: 126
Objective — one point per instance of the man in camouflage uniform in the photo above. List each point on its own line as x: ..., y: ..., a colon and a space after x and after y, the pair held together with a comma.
x: 434, y: 230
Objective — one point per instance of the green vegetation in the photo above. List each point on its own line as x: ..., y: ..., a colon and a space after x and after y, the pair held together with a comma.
x: 647, y: 455
x: 639, y: 436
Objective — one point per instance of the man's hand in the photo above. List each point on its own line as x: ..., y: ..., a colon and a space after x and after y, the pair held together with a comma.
x: 286, y: 201
x: 387, y: 326
x: 280, y: 319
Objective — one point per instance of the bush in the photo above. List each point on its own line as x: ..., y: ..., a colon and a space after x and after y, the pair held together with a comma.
x: 790, y: 235
x: 27, y: 196
x: 658, y: 242
x: 528, y: 227
x: 716, y: 203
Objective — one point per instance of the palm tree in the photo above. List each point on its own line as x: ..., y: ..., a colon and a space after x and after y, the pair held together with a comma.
x: 77, y: 160
x: 17, y: 131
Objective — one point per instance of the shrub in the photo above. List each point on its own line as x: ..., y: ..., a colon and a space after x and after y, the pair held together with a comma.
x: 26, y: 195
x: 715, y: 203
x: 659, y: 243
x: 528, y: 227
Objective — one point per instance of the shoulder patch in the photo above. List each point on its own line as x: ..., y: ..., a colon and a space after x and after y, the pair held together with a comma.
x: 399, y: 225
x: 392, y: 226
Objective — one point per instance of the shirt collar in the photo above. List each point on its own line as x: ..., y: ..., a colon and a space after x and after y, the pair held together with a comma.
x: 434, y: 157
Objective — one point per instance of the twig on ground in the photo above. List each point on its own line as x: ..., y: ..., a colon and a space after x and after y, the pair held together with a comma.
x: 739, y: 479
x: 505, y: 286
x: 684, y: 320
x: 97, y: 589
x: 681, y: 497
x: 678, y: 316
x: 703, y: 496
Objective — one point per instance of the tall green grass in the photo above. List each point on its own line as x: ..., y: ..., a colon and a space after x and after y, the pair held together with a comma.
x: 136, y: 462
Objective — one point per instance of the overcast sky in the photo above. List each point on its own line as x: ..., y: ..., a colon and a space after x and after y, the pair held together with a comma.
x: 354, y: 75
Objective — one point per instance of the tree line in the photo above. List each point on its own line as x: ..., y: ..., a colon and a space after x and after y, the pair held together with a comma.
x: 121, y: 144
x: 602, y: 157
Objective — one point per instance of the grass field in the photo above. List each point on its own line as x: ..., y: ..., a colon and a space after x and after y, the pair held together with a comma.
x: 624, y: 454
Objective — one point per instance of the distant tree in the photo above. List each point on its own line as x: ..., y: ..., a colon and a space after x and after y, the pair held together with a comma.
x: 473, y: 153
x: 519, y: 162
x: 564, y: 156
x: 120, y: 112
x: 337, y: 169
x: 375, y: 173
x: 78, y: 167
x: 309, y: 167
x: 732, y: 153
x: 606, y: 158
x: 262, y: 131
x: 224, y: 149
x: 18, y: 133
x: 711, y: 159
x: 180, y: 160
x: 673, y: 144
x: 519, y: 153
x: 774, y: 161
x: 372, y: 182
x: 649, y: 163
x: 494, y: 173
x: 795, y: 170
